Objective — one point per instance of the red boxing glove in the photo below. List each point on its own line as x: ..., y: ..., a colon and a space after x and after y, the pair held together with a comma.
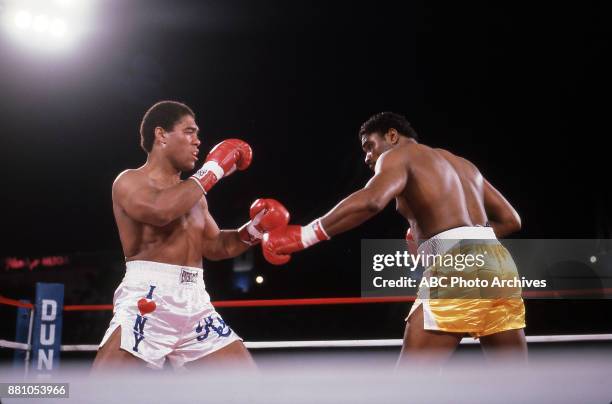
x: 266, y: 215
x: 280, y: 243
x: 246, y: 154
x: 223, y: 159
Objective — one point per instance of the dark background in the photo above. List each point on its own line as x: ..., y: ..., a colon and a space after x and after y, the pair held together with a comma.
x: 520, y: 89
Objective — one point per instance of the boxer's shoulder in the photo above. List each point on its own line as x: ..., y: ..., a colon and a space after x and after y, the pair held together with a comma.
x: 129, y: 180
x: 394, y: 157
x: 127, y: 176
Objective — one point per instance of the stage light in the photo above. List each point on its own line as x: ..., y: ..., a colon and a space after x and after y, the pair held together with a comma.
x: 65, y: 3
x: 47, y: 24
x: 259, y: 279
x: 593, y: 259
x: 40, y: 23
x: 23, y: 19
x: 58, y: 28
x: 39, y: 30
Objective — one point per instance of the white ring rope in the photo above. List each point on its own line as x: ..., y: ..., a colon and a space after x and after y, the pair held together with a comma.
x: 365, y: 343
x: 14, y: 345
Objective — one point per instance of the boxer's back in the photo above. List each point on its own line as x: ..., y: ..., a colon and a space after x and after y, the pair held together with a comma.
x: 179, y: 242
x: 443, y: 191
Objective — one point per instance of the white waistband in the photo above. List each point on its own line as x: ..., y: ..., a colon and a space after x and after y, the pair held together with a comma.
x: 467, y: 233
x: 445, y: 241
x: 163, y: 273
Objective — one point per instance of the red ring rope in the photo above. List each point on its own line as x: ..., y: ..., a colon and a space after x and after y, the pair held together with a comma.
x: 241, y: 303
x: 310, y: 301
x: 16, y: 303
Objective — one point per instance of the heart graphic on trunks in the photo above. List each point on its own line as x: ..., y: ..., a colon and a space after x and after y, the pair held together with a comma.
x: 146, y: 306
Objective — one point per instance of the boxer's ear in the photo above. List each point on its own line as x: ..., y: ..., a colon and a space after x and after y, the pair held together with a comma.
x: 392, y: 136
x: 160, y: 136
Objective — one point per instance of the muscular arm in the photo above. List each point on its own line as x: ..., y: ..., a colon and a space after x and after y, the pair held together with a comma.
x: 389, y: 180
x: 146, y: 204
x: 502, y: 216
x: 220, y: 244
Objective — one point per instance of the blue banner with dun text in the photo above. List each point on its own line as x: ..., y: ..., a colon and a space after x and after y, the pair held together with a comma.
x: 47, y: 328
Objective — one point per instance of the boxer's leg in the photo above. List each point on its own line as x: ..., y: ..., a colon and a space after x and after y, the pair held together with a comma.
x: 111, y: 356
x: 425, y: 347
x: 505, y: 347
x: 234, y: 356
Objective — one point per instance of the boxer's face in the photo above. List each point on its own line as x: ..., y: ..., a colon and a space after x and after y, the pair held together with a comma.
x: 373, y: 146
x: 182, y: 143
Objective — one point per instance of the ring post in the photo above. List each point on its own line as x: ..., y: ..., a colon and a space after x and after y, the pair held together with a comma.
x: 22, y: 331
x: 47, y: 332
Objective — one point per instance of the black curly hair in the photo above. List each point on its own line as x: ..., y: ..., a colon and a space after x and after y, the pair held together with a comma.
x: 164, y: 114
x: 383, y: 121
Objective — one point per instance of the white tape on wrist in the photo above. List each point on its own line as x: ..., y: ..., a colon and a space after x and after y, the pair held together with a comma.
x: 250, y: 227
x: 254, y: 232
x: 246, y: 236
x: 255, y: 221
x: 309, y: 233
x: 309, y: 237
x: 211, y: 166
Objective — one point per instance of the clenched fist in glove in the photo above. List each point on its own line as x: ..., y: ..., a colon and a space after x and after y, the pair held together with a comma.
x: 278, y: 244
x: 225, y: 158
x: 266, y: 215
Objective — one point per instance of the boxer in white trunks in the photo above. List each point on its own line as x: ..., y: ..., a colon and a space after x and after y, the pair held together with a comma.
x: 161, y: 308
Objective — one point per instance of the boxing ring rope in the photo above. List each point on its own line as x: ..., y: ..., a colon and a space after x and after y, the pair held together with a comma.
x: 311, y: 301
x: 349, y: 343
x: 372, y: 343
x: 241, y: 303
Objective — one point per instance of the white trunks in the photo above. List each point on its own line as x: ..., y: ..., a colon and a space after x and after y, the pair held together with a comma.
x: 164, y: 312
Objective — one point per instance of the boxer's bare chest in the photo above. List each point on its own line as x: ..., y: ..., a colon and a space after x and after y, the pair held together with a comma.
x: 191, y: 224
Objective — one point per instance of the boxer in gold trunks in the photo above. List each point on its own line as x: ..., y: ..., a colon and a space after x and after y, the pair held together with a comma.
x: 442, y: 197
